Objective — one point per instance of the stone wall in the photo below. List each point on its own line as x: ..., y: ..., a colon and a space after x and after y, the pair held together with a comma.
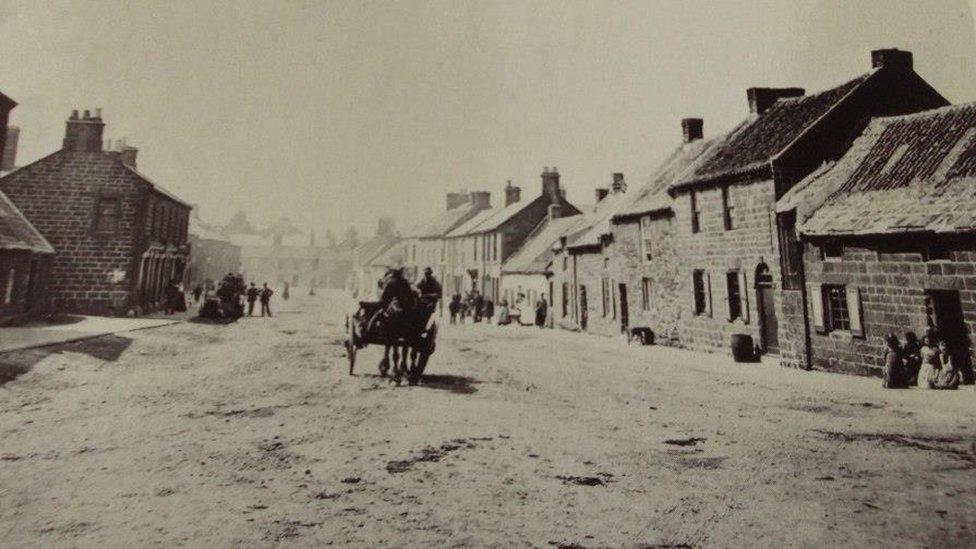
x: 892, y: 284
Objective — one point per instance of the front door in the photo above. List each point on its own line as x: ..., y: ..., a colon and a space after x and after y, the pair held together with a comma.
x: 582, y: 306
x: 624, y: 316
x: 944, y: 311
x: 768, y: 325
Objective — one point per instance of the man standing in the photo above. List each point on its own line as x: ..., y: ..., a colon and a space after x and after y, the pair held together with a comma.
x: 252, y: 296
x: 429, y: 286
x: 266, y: 300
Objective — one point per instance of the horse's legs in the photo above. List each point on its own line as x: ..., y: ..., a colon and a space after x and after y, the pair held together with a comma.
x: 385, y: 363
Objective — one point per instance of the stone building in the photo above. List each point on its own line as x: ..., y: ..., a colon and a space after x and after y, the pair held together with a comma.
x: 424, y: 244
x: 212, y: 255
x: 365, y: 274
x: 24, y: 261
x: 477, y: 249
x: 583, y: 290
x: 645, y: 262
x: 738, y: 274
x: 889, y: 240
x: 120, y: 237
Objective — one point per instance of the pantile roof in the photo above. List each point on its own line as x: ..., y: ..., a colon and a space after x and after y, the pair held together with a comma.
x: 914, y: 173
x: 17, y: 233
x: 761, y: 138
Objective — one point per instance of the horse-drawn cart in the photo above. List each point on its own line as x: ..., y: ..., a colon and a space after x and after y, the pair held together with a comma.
x: 410, y: 337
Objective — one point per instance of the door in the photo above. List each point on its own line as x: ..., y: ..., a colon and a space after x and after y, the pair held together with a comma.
x: 582, y: 306
x: 944, y: 311
x: 624, y: 312
x: 768, y: 325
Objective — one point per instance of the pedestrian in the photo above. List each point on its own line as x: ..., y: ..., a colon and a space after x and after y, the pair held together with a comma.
x: 912, y: 354
x: 285, y: 295
x: 252, y: 296
x: 540, y: 312
x: 948, y: 375
x: 265, y: 295
x: 504, y: 316
x: 197, y: 292
x: 929, y: 353
x: 429, y: 286
x: 174, y: 298
x: 477, y: 305
x: 454, y: 307
x: 489, y: 311
x: 893, y: 375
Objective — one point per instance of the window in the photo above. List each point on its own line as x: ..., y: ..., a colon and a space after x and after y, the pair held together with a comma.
x: 106, y: 214
x: 646, y: 294
x: 474, y: 247
x: 701, y: 297
x: 734, y: 295
x: 605, y: 287
x: 791, y: 251
x: 832, y: 252
x: 838, y: 316
x: 646, y: 240
x: 565, y: 299
x: 565, y: 262
x: 695, y: 213
x: 727, y: 209
x: 8, y: 291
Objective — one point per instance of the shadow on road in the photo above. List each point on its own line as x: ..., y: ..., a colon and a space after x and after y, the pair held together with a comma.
x: 16, y: 363
x: 456, y: 384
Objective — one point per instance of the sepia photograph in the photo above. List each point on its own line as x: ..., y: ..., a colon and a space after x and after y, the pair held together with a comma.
x: 568, y: 274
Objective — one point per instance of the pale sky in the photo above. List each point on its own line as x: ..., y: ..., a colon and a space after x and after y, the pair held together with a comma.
x: 338, y: 112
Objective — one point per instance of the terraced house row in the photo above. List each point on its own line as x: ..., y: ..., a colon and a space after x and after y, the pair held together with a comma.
x: 811, y: 229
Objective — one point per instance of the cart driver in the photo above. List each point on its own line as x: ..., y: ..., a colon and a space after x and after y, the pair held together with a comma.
x: 429, y: 286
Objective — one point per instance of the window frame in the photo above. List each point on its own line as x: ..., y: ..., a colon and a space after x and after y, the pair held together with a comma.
x: 645, y: 293
x: 734, y: 291
x: 727, y: 208
x: 647, y: 255
x: 699, y: 292
x: 96, y: 227
x: 695, y: 213
x: 834, y: 301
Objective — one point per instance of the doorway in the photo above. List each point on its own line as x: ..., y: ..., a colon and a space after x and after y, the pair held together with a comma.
x: 582, y: 306
x: 624, y: 312
x: 768, y: 324
x: 943, y: 309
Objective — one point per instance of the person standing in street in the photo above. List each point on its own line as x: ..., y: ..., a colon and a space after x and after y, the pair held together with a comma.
x: 454, y: 307
x: 540, y: 312
x: 197, y: 290
x: 252, y: 296
x: 265, y: 295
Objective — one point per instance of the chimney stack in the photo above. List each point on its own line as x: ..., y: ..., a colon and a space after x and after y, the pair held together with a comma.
x: 481, y: 199
x: 512, y: 194
x: 691, y: 128
x: 601, y: 194
x: 385, y: 226
x: 760, y: 99
x: 128, y: 156
x: 618, y: 185
x: 83, y: 134
x: 555, y: 211
x: 550, y: 184
x: 9, y: 160
x: 456, y: 199
x: 891, y: 58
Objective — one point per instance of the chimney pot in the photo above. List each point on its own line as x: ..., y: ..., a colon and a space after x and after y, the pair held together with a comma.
x: 83, y: 134
x: 481, y: 199
x: 74, y: 115
x: 550, y: 185
x: 618, y: 185
x: 128, y: 156
x: 456, y: 199
x: 87, y: 115
x: 891, y: 58
x: 512, y: 194
x: 760, y: 99
x: 691, y: 128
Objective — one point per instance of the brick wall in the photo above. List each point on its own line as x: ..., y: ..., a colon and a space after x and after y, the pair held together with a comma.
x: 717, y: 251
x: 892, y: 285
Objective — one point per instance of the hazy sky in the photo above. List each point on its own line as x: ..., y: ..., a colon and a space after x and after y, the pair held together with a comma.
x: 338, y: 112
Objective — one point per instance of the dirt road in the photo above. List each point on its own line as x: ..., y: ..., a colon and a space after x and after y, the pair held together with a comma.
x: 254, y: 435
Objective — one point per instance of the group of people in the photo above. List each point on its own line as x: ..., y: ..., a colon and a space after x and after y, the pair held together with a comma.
x: 479, y: 309
x: 928, y: 363
x: 227, y: 301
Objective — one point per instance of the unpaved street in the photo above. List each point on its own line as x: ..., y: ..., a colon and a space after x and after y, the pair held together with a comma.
x: 254, y: 435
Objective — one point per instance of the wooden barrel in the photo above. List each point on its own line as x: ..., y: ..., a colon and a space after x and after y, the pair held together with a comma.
x: 742, y: 348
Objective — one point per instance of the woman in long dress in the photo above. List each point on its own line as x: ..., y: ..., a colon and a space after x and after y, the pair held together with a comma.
x: 948, y: 376
x: 894, y: 370
x: 931, y: 363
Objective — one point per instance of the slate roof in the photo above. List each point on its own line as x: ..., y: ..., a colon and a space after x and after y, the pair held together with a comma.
x: 444, y: 222
x: 373, y: 247
x: 16, y: 233
x: 914, y: 173
x: 489, y: 220
x: 393, y: 256
x: 599, y: 220
x: 536, y: 252
x: 155, y: 186
x: 653, y: 196
x: 761, y: 138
